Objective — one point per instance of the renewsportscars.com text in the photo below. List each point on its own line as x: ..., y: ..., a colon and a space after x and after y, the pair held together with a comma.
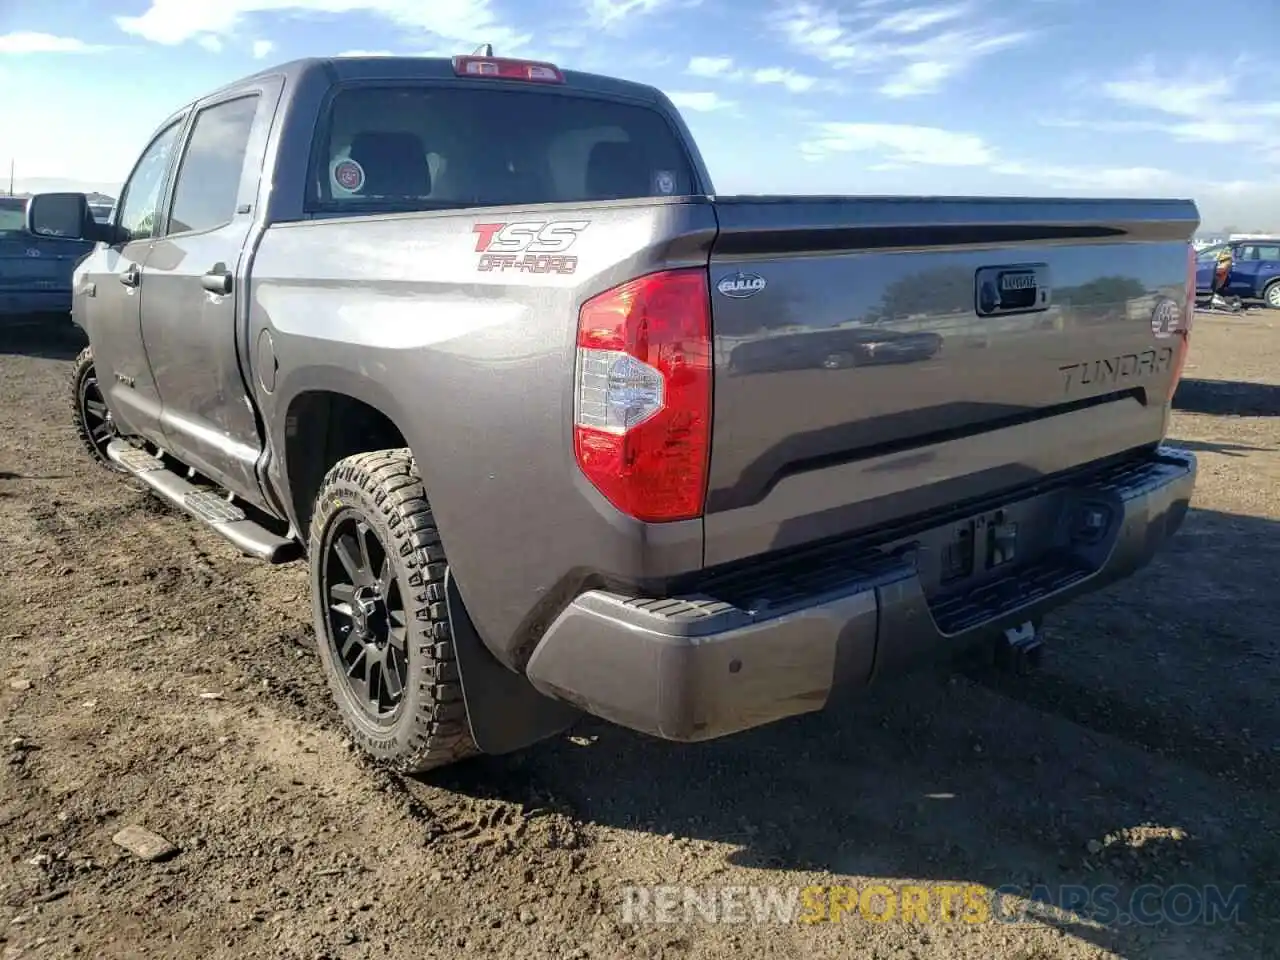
x: 1180, y: 904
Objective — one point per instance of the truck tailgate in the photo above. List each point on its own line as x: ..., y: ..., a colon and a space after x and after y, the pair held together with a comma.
x: 877, y: 357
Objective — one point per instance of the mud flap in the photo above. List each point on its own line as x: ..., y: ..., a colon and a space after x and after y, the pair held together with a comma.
x: 504, y: 710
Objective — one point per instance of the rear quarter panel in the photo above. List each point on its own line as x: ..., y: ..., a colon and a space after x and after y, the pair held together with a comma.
x: 475, y: 368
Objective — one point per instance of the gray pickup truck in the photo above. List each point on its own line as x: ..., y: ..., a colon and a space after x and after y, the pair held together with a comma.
x: 559, y: 430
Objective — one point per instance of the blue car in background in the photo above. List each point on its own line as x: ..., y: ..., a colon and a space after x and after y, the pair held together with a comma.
x: 35, y: 272
x: 1255, y: 270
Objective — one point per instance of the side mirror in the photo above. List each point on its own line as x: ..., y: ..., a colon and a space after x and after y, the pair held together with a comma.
x: 63, y: 215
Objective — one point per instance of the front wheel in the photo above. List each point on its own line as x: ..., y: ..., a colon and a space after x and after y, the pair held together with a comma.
x: 94, y: 424
x: 382, y: 624
x: 1271, y: 295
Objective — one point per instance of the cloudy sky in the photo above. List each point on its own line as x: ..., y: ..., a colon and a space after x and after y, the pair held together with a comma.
x: 1080, y: 97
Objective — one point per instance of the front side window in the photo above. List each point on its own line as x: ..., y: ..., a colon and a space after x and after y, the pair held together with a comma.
x: 208, y: 183
x: 140, y: 203
x: 420, y: 147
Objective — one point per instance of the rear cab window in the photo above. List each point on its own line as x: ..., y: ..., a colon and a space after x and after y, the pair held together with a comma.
x: 452, y: 146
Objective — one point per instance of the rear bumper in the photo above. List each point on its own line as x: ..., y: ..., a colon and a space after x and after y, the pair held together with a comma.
x: 784, y: 636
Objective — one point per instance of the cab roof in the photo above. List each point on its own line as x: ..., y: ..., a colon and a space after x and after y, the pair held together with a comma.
x: 340, y: 69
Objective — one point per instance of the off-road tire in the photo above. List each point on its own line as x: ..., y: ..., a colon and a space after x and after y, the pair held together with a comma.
x: 431, y: 729
x: 82, y: 371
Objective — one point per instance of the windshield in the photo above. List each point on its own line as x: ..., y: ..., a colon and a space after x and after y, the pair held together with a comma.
x: 1211, y: 253
x: 421, y: 147
x: 13, y: 215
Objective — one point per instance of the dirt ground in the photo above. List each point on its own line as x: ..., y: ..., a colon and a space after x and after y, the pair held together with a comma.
x: 149, y: 675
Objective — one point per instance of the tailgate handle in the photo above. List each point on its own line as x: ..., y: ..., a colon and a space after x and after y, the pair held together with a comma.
x: 1012, y: 288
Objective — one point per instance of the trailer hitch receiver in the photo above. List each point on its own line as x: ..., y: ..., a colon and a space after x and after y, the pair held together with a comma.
x: 1020, y: 649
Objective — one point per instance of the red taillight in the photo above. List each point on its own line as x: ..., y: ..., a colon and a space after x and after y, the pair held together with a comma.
x: 642, y: 399
x: 500, y: 68
x: 1183, y: 334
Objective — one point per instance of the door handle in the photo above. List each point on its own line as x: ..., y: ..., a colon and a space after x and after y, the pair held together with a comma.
x: 132, y: 276
x: 217, y: 280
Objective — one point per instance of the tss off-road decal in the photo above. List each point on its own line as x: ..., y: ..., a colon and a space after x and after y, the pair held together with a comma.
x: 528, y: 246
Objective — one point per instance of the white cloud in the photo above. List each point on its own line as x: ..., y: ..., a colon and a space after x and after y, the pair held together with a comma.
x: 211, y: 42
x: 702, y: 101
x: 1135, y: 181
x: 612, y: 14
x: 710, y: 66
x: 900, y: 143
x: 896, y: 146
x: 463, y: 22
x: 262, y: 48
x: 722, y: 68
x: 917, y: 21
x: 1196, y: 106
x: 28, y: 42
x: 913, y: 50
x: 795, y: 82
x: 1183, y: 97
x: 923, y: 76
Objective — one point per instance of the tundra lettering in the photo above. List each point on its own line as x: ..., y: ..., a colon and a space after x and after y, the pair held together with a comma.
x: 664, y: 483
x: 1109, y: 370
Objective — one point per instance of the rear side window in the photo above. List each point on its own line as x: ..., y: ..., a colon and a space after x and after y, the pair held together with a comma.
x: 1260, y: 253
x: 209, y: 174
x: 403, y: 147
x: 13, y: 216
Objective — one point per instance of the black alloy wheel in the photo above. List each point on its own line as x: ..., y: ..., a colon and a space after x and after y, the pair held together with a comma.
x: 367, y: 625
x: 94, y: 424
x: 378, y: 572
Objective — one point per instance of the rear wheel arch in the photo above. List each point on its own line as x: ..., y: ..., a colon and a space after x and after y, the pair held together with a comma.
x: 323, y: 427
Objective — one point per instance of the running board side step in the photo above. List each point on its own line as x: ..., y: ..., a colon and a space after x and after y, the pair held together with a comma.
x: 218, y: 513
